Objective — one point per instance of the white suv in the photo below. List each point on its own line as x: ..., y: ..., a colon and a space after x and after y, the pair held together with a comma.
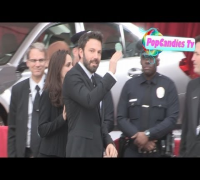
x: 15, y: 38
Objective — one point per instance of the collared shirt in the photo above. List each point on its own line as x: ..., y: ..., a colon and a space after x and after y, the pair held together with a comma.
x: 32, y: 95
x: 164, y: 106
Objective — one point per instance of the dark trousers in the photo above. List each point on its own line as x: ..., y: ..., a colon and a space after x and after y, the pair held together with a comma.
x: 28, y: 153
x: 132, y: 151
x: 129, y: 152
x: 47, y: 156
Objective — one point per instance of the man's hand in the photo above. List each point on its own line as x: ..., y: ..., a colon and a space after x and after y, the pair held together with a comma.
x: 150, y: 145
x: 111, y: 151
x: 140, y: 139
x: 113, y: 61
x: 64, y: 114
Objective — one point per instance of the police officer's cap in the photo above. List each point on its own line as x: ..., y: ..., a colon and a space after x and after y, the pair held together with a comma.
x: 74, y: 39
x: 141, y: 50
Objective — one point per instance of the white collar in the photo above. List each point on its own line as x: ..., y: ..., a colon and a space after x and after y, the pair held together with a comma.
x: 89, y: 74
x: 33, y: 83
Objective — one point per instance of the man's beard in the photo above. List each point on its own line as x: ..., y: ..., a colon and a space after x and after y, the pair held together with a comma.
x: 87, y: 64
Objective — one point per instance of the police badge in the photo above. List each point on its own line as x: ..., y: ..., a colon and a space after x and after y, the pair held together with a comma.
x: 160, y: 92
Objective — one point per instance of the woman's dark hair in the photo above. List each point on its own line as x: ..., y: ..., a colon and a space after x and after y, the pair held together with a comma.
x: 53, y: 81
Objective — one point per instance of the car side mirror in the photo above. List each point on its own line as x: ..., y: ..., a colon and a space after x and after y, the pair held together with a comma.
x: 21, y: 67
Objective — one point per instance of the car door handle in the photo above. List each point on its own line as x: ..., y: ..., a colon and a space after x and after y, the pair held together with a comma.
x: 134, y: 71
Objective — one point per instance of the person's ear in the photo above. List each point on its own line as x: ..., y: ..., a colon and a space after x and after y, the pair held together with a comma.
x: 75, y: 51
x: 27, y: 63
x: 157, y: 61
x: 47, y: 63
x: 80, y: 52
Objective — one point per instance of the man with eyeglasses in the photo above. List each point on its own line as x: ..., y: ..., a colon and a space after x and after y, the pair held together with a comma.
x: 23, y: 138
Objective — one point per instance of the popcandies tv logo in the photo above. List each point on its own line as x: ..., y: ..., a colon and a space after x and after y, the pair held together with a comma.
x: 154, y: 43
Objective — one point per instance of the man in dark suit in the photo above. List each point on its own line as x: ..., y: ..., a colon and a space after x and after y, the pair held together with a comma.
x: 190, y: 137
x: 87, y: 134
x: 106, y: 105
x: 23, y: 138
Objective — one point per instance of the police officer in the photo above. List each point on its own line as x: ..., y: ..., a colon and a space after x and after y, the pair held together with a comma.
x: 74, y: 39
x: 148, y: 110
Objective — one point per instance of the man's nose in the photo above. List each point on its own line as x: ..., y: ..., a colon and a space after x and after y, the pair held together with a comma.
x: 37, y: 63
x: 97, y: 55
x: 147, y: 61
x: 193, y: 58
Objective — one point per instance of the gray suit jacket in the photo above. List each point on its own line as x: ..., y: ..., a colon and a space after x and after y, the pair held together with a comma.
x: 87, y: 134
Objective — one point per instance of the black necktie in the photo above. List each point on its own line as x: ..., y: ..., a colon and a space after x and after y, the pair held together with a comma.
x: 146, y: 103
x: 35, y: 139
x: 37, y: 98
x: 95, y: 84
x: 93, y: 81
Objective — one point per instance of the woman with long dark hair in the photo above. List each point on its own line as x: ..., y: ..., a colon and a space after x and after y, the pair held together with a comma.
x: 52, y: 125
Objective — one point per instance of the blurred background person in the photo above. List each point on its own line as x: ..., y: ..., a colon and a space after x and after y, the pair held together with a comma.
x: 190, y: 137
x: 55, y: 46
x: 106, y: 105
x: 74, y: 49
x: 53, y: 125
x: 23, y: 139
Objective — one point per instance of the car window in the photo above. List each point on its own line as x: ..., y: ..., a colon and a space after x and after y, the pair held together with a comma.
x: 59, y: 32
x: 111, y: 36
x: 11, y: 37
x: 130, y: 43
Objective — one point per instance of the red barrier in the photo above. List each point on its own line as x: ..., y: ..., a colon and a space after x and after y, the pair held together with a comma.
x: 3, y: 141
x: 176, y: 146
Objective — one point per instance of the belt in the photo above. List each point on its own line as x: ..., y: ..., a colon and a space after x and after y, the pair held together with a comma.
x: 147, y: 152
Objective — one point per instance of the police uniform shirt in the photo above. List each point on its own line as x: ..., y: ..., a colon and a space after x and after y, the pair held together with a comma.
x: 163, y: 110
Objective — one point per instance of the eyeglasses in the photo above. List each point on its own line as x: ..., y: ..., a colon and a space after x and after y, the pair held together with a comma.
x: 35, y: 60
x: 151, y: 59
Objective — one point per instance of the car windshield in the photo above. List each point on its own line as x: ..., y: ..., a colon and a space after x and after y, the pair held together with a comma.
x: 11, y: 37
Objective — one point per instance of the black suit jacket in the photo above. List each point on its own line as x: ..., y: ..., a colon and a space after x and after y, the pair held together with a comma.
x: 107, y: 108
x: 52, y: 128
x: 87, y: 134
x: 189, y: 140
x: 18, y: 119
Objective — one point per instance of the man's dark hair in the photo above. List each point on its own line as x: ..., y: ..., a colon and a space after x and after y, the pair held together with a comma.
x: 89, y: 35
x: 197, y: 39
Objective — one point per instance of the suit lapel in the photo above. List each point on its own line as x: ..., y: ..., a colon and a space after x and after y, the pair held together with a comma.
x: 86, y: 78
x: 88, y: 83
x: 102, y: 102
x: 195, y: 95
